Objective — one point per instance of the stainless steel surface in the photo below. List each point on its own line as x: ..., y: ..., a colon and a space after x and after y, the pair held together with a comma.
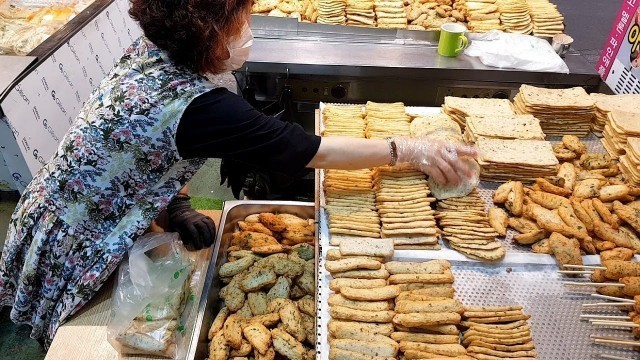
x: 10, y: 68
x: 209, y: 305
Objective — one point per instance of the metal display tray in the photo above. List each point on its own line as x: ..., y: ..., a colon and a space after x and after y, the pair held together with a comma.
x: 209, y: 304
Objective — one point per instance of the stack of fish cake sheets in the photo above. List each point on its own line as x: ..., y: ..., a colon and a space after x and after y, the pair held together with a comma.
x: 630, y: 163
x: 525, y: 127
x: 460, y: 108
x: 343, y: 120
x: 360, y: 13
x: 607, y: 103
x: 466, y: 227
x: 621, y: 125
x: 390, y: 14
x: 350, y: 203
x: 514, y: 16
x: 332, y: 12
x: 547, y: 20
x: 560, y: 111
x: 481, y: 16
x: 404, y: 207
x: 386, y: 119
x: 522, y: 160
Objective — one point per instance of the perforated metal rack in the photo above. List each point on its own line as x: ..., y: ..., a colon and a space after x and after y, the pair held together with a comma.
x: 521, y: 278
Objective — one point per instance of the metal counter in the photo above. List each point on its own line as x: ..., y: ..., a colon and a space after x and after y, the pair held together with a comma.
x: 341, y: 63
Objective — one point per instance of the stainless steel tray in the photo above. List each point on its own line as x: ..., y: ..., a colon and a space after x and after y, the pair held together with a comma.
x: 209, y: 304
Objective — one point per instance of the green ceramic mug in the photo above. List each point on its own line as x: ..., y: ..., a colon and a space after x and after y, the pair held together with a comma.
x: 452, y: 39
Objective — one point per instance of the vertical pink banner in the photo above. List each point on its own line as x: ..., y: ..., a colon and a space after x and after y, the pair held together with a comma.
x: 616, y: 37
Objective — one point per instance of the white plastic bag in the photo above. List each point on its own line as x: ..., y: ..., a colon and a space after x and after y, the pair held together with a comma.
x: 153, y: 286
x: 516, y: 51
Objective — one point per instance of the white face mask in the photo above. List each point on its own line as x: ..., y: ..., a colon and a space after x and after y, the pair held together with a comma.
x: 239, y: 49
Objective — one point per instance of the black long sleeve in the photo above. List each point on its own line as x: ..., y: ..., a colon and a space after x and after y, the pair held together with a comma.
x: 220, y: 124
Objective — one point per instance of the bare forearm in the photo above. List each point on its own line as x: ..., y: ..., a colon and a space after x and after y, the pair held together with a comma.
x: 337, y: 152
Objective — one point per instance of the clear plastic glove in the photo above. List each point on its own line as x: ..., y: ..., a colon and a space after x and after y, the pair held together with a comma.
x: 443, y: 161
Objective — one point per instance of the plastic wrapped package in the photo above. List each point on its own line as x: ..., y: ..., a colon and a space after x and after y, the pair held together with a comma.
x: 19, y: 38
x: 148, y: 305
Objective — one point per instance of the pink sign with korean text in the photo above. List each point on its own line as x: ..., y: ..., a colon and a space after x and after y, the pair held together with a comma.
x: 619, y: 64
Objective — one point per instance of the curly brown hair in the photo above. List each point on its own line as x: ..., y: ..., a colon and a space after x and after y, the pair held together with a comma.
x: 193, y: 32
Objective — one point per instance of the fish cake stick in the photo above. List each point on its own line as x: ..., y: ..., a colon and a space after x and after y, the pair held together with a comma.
x: 377, y: 294
x: 344, y: 313
x: 441, y: 349
x: 428, y: 290
x: 425, y: 338
x: 617, y: 269
x: 426, y: 319
x: 429, y: 267
x: 340, y: 354
x: 448, y: 305
x: 366, y: 348
x: 340, y: 326
x: 446, y: 277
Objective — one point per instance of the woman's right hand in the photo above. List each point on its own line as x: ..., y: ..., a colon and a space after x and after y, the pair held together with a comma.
x: 438, y: 159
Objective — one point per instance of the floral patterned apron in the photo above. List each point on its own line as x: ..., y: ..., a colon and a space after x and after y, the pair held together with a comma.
x: 115, y: 170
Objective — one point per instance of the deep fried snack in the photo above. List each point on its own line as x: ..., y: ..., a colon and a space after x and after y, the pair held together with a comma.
x: 258, y: 278
x: 272, y: 222
x: 574, y: 144
x: 427, y: 267
x: 498, y: 220
x: 523, y: 225
x: 233, y: 331
x: 426, y: 319
x: 381, y: 273
x: 548, y: 187
x: 254, y: 227
x: 587, y: 188
x: 258, y: 336
x: 566, y: 251
x: 337, y: 284
x: 582, y: 214
x: 292, y: 321
x: 617, y: 269
x: 218, y: 348
x: 344, y: 313
x: 515, y: 199
x: 502, y: 192
x: 549, y: 201
x: 446, y: 277
x: 354, y: 263
x: 367, y: 348
x: 568, y: 172
x: 631, y: 285
x: 298, y: 233
x: 290, y: 219
x: 628, y: 214
x: 340, y: 354
x: 248, y: 239
x: 337, y: 326
x: 244, y: 350
x: 605, y: 214
x: 383, y: 293
x: 218, y: 322
x: 287, y: 346
x: 441, y: 349
x: 307, y: 305
x: 428, y: 306
x: 268, y: 320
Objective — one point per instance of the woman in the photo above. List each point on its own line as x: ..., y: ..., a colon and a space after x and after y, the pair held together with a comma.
x: 138, y: 140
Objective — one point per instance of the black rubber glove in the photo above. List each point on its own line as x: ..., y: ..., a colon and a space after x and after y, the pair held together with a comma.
x: 196, y: 230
